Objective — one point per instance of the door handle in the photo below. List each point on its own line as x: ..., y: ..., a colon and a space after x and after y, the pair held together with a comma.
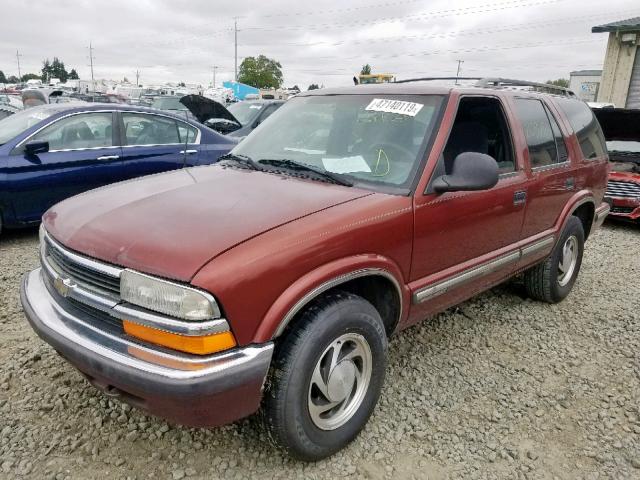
x: 188, y: 152
x: 570, y: 183
x: 106, y: 158
x: 520, y: 197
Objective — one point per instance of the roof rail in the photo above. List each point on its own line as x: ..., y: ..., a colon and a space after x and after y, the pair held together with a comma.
x: 509, y: 82
x: 487, y: 82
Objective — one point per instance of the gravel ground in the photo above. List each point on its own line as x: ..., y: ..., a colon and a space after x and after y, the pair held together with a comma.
x: 501, y: 387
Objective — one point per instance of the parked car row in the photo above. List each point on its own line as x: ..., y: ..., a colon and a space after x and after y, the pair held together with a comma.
x: 276, y: 276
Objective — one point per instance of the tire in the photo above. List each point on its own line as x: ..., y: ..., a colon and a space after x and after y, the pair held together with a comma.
x: 550, y: 281
x: 293, y: 392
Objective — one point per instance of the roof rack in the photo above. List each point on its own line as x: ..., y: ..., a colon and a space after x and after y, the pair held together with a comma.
x: 488, y: 82
x: 509, y: 82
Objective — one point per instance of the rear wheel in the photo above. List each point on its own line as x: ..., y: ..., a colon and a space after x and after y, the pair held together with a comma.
x: 552, y: 280
x: 327, y: 376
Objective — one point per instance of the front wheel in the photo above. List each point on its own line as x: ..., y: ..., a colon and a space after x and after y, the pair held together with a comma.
x: 327, y: 376
x: 552, y: 280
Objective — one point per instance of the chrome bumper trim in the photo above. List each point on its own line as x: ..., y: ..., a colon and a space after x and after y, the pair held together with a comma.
x: 601, y: 213
x: 50, y: 319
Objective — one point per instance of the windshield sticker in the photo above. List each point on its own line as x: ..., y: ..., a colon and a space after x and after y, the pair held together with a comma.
x: 394, y: 106
x: 257, y: 107
x: 346, y: 164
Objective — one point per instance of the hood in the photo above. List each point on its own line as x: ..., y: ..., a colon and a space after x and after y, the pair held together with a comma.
x: 619, y: 123
x: 172, y: 224
x: 204, y: 108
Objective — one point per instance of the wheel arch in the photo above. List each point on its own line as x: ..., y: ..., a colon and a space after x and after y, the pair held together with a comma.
x: 583, y: 206
x: 377, y: 282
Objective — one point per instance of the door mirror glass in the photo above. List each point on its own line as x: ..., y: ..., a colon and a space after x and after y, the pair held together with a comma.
x: 35, y: 147
x: 470, y: 171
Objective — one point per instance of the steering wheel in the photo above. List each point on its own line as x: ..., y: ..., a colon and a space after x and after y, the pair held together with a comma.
x: 389, y: 159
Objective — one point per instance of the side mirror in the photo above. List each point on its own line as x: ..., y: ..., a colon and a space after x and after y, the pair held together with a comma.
x: 35, y: 147
x: 471, y: 171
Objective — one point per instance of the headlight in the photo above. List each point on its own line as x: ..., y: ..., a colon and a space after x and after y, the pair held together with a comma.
x: 167, y: 297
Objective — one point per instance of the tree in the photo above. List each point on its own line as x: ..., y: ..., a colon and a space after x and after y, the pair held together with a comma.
x: 261, y: 72
x: 30, y: 76
x: 366, y: 70
x: 125, y: 80
x: 313, y: 86
x: 296, y: 88
x: 560, y: 82
x: 73, y: 75
x: 3, y: 79
x: 54, y: 69
x: 182, y: 84
x: 13, y: 79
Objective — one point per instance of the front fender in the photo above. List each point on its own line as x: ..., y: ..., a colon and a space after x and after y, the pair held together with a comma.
x: 323, y: 278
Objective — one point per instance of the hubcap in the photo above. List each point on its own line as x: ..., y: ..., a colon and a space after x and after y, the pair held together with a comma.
x: 568, y: 261
x: 340, y: 381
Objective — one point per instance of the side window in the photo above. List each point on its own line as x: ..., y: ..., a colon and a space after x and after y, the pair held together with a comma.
x: 85, y: 130
x: 586, y: 127
x: 187, y: 133
x: 537, y: 131
x: 563, y: 156
x: 143, y: 129
x: 480, y: 126
x: 268, y: 111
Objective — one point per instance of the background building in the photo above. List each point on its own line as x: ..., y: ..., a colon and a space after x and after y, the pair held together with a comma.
x: 585, y: 84
x: 620, y: 83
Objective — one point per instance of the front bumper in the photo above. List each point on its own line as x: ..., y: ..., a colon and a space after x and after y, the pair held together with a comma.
x: 200, y: 391
x: 625, y: 208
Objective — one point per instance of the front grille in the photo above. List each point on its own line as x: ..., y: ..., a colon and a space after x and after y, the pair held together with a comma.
x: 622, y: 210
x: 617, y: 188
x: 98, y: 318
x: 81, y: 274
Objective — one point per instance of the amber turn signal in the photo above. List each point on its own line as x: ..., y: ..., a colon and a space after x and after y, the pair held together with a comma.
x: 200, y: 345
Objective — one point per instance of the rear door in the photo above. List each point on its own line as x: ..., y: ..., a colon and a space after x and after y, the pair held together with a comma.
x: 552, y: 178
x: 84, y: 153
x: 154, y: 143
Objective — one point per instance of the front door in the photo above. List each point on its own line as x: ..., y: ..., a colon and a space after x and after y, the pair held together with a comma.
x: 83, y: 154
x: 455, y: 232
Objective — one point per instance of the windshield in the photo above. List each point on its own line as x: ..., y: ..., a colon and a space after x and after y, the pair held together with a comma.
x: 168, y: 103
x: 245, y: 111
x: 373, y: 141
x: 14, y: 125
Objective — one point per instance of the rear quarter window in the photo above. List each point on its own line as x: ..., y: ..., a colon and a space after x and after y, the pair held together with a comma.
x: 586, y: 127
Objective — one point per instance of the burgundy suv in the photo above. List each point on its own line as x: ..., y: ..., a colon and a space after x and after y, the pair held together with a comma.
x: 275, y: 277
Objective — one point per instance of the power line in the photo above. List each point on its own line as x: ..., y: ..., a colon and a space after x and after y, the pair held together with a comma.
x: 475, y: 31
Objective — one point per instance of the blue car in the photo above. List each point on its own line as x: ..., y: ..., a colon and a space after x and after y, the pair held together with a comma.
x: 54, y: 151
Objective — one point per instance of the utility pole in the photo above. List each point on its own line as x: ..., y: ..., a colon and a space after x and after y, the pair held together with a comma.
x: 93, y: 83
x: 460, y: 62
x: 235, y: 32
x: 137, y: 78
x: 215, y: 67
x: 18, y: 59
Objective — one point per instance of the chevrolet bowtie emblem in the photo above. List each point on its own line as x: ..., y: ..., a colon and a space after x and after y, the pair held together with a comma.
x: 63, y: 285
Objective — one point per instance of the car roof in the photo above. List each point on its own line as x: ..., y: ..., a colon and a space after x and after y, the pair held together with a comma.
x: 421, y: 88
x: 73, y: 107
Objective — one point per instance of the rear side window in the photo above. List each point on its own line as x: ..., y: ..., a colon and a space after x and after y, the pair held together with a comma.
x: 586, y: 127
x: 537, y: 130
x: 563, y: 156
x: 143, y: 129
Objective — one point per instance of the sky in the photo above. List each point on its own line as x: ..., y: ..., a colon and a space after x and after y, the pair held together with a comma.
x: 324, y: 42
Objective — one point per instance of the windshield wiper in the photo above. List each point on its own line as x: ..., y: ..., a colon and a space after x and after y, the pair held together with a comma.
x: 292, y: 165
x: 243, y: 159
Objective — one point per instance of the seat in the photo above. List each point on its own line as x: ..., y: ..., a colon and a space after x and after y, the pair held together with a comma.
x: 465, y: 137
